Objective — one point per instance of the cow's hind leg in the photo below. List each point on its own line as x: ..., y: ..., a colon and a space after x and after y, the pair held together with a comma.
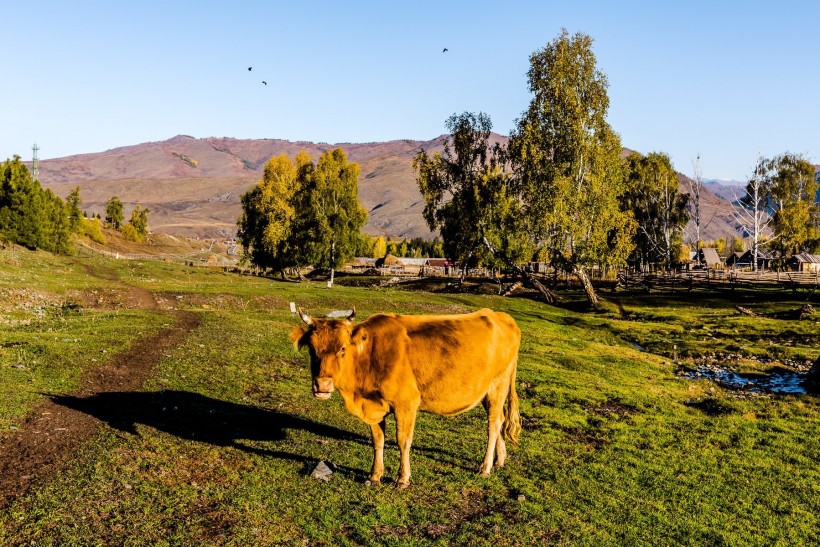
x: 494, y: 403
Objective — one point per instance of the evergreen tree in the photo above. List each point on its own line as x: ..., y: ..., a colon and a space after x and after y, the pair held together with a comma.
x: 29, y: 215
x: 139, y: 220
x: 75, y: 217
x: 114, y: 212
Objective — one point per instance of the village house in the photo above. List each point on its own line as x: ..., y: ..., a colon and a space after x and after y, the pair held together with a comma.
x: 765, y: 257
x: 804, y: 262
x: 709, y: 257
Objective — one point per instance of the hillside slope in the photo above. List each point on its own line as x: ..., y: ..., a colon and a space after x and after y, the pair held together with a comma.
x: 192, y: 186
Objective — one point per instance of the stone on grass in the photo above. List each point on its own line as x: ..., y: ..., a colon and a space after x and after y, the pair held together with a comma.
x: 322, y: 472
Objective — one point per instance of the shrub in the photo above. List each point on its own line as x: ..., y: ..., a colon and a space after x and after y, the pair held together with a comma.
x: 92, y: 230
x: 130, y: 232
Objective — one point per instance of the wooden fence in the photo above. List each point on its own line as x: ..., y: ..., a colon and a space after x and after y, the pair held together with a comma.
x: 719, y: 279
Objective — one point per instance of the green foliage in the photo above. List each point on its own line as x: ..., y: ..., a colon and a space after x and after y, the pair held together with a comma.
x: 303, y: 213
x: 793, y: 188
x: 29, y: 215
x: 75, y: 217
x: 330, y: 216
x: 114, y: 212
x: 657, y: 206
x: 139, y: 221
x: 567, y: 160
x: 268, y: 210
x: 468, y: 196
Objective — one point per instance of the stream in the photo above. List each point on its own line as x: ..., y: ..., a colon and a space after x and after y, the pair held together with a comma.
x: 775, y: 382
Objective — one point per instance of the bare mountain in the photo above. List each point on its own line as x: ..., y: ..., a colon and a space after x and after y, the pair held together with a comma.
x: 193, y: 186
x: 728, y: 190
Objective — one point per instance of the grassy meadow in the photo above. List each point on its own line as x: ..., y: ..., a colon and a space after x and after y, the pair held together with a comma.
x: 217, y: 448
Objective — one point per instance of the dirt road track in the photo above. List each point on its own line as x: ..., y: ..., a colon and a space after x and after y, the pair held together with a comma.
x: 46, y: 440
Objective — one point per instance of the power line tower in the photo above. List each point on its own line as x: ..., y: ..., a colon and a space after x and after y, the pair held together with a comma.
x: 35, y: 162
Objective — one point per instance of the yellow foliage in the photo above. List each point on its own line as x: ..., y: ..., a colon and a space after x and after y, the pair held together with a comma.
x: 92, y: 229
x: 131, y: 233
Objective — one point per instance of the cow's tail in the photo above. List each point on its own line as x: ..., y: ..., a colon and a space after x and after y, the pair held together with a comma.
x: 512, y: 421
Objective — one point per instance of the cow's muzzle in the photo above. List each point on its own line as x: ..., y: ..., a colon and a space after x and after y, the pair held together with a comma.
x: 322, y: 387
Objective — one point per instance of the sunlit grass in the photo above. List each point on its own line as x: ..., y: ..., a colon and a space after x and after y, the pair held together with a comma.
x: 218, y: 446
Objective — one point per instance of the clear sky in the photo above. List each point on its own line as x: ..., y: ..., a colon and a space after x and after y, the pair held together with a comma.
x: 726, y: 80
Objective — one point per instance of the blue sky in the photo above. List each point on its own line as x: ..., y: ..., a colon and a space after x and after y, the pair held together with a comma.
x: 725, y: 80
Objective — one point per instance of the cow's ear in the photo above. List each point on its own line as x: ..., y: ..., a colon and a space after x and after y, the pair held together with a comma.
x: 296, y: 336
x: 358, y: 339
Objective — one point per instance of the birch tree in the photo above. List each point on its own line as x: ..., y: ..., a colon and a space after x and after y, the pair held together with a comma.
x: 660, y: 210
x: 331, y: 211
x: 566, y: 159
x: 268, y: 211
x: 793, y: 190
x: 752, y: 208
x: 694, y: 202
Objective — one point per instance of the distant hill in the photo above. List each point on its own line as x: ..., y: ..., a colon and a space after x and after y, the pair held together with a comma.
x: 728, y: 190
x: 193, y: 186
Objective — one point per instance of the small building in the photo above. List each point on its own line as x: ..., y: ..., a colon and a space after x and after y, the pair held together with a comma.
x: 765, y: 257
x: 804, y: 262
x: 709, y: 257
x: 733, y: 260
x: 361, y: 264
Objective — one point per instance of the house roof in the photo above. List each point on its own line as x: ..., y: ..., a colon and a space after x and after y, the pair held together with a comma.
x: 807, y: 258
x: 762, y: 254
x: 407, y: 261
x: 710, y: 255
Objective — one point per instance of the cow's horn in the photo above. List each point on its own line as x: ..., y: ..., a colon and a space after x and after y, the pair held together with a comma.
x: 352, y: 314
x: 305, y: 317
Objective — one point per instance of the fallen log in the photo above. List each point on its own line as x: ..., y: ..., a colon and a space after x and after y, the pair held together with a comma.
x: 789, y: 315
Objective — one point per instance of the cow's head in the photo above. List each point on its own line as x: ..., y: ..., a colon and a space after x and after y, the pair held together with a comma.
x: 330, y: 347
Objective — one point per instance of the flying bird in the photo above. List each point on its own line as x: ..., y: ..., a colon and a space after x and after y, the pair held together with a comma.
x: 443, y: 51
x: 250, y: 68
x: 264, y: 82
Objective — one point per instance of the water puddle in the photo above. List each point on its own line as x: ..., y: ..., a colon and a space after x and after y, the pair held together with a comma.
x: 774, y: 382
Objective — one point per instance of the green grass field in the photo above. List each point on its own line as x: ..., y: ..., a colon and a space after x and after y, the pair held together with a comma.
x: 218, y: 446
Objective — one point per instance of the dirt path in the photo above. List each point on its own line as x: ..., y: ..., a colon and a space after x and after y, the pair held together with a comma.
x: 45, y: 441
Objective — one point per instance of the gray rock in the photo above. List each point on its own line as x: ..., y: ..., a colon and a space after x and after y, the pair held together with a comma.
x: 322, y: 472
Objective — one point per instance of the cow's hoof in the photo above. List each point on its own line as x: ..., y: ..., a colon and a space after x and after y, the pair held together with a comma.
x: 372, y: 482
x: 402, y: 485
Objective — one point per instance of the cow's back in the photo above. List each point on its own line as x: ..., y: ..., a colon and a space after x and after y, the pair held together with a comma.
x: 455, y: 358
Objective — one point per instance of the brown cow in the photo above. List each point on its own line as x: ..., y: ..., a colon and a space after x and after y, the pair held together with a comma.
x: 444, y: 364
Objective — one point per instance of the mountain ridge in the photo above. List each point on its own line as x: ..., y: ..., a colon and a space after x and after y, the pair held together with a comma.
x: 192, y: 186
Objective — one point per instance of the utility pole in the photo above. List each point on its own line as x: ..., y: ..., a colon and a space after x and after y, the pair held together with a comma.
x: 35, y: 162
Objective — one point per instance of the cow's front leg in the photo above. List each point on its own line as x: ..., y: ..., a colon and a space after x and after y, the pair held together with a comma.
x: 405, y: 422
x: 378, y: 451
